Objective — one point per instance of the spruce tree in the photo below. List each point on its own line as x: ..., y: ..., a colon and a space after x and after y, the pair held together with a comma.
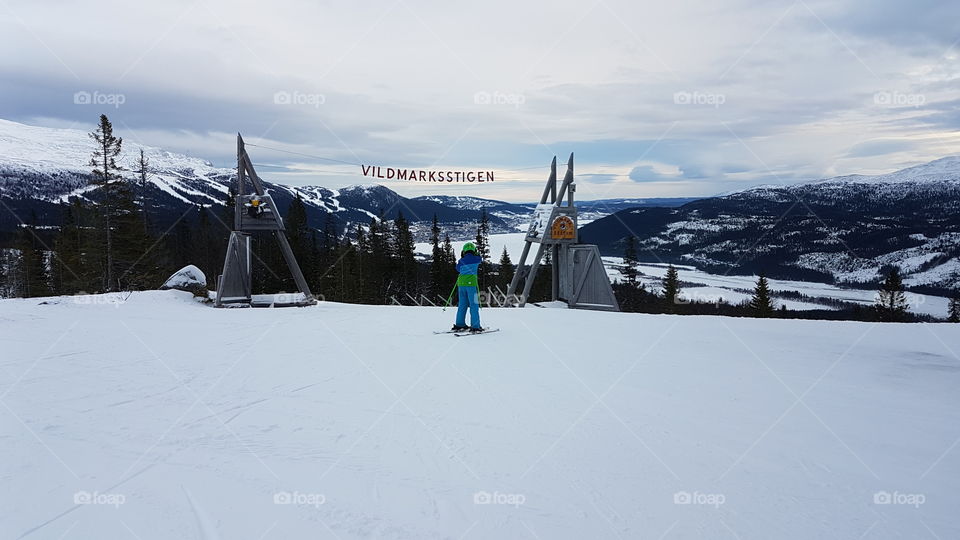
x: 106, y: 175
x: 630, y: 262
x: 359, y: 293
x: 437, y: 263
x: 13, y: 273
x: 68, y: 265
x: 136, y: 256
x: 181, y: 245
x: 143, y: 168
x: 542, y: 289
x: 4, y: 264
x: 891, y: 302
x: 329, y: 260
x: 506, y: 271
x: 483, y: 246
x: 761, y: 305
x: 34, y: 280
x: 634, y: 297
x: 227, y: 214
x: 671, y: 287
x: 299, y: 235
x: 376, y: 263
x: 406, y: 262
x: 954, y: 309
x: 329, y: 238
x: 449, y: 266
x: 208, y: 250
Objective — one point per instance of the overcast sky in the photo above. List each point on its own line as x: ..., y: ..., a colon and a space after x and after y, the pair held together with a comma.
x: 655, y: 98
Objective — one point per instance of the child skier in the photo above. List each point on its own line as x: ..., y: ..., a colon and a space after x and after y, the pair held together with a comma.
x: 468, y: 289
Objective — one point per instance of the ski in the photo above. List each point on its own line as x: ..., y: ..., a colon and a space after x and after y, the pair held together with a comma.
x: 484, y: 331
x: 446, y: 331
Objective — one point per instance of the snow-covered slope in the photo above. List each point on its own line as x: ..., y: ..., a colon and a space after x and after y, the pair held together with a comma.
x: 945, y: 169
x: 41, y: 151
x: 152, y: 416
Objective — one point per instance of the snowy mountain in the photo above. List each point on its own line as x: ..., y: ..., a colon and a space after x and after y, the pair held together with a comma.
x: 355, y: 422
x: 845, y: 229
x: 40, y: 168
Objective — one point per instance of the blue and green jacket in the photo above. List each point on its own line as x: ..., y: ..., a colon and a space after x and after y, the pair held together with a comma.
x: 467, y: 266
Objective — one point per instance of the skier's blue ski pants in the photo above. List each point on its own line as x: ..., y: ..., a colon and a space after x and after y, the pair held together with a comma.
x: 468, y: 297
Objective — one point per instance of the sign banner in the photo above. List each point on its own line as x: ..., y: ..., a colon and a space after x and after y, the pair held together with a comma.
x: 419, y: 175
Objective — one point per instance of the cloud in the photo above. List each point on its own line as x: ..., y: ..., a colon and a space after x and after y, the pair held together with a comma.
x: 771, y: 92
x: 920, y: 26
x: 649, y: 173
x: 880, y: 147
x: 597, y: 178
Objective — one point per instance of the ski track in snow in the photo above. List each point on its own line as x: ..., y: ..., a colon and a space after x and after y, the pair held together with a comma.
x: 200, y: 418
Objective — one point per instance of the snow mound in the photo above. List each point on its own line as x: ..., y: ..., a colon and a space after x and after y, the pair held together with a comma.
x: 189, y: 278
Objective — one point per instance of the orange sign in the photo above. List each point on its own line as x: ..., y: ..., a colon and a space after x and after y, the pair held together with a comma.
x: 563, y: 229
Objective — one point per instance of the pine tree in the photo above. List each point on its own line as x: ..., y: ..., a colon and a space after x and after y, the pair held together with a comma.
x: 299, y: 235
x: 34, y: 279
x: 9, y: 259
x: 361, y: 250
x: 542, y: 289
x: 450, y: 267
x: 406, y: 262
x: 954, y: 307
x: 208, y: 255
x: 106, y: 174
x: 761, y: 305
x: 227, y: 214
x: 506, y: 271
x: 630, y: 262
x: 221, y: 224
x: 180, y: 243
x: 376, y: 262
x: 68, y: 265
x: 483, y: 246
x: 437, y: 262
x: 4, y: 278
x: 634, y: 297
x: 891, y: 302
x: 135, y: 257
x: 143, y: 168
x: 671, y: 287
x: 329, y: 261
x: 329, y: 237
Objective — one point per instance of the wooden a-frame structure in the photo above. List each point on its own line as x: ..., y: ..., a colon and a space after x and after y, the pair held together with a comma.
x: 579, y: 277
x: 254, y: 210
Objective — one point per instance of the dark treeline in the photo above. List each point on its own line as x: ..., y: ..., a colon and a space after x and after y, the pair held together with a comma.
x: 371, y: 264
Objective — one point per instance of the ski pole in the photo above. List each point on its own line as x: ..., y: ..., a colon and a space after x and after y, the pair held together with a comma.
x: 450, y: 298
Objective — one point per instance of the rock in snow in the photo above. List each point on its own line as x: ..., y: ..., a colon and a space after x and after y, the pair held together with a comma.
x: 189, y: 278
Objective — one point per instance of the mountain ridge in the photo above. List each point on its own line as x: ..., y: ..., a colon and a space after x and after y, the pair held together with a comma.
x: 41, y: 168
x: 847, y: 230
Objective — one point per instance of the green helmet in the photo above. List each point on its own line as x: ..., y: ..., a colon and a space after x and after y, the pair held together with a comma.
x: 470, y: 247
